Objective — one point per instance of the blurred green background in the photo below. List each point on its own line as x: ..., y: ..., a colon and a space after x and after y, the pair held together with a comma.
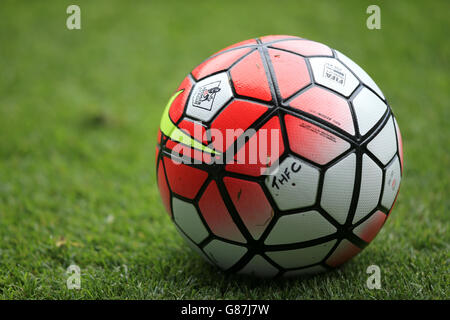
x: 79, y: 113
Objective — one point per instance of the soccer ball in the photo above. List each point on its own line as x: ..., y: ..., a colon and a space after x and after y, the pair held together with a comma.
x: 278, y: 156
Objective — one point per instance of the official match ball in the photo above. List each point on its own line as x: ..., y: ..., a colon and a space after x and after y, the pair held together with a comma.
x: 278, y: 156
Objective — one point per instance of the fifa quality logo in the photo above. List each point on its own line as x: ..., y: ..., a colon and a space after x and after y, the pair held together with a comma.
x: 333, y: 73
x: 204, y: 97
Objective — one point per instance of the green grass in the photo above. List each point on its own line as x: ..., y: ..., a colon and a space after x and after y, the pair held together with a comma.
x: 79, y: 113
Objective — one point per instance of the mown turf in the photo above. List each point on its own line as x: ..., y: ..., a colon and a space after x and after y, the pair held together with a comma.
x: 79, y: 113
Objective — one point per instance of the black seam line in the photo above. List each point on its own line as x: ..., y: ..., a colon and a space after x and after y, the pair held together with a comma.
x: 218, y: 112
x: 276, y: 97
x: 254, y: 244
x: 289, y: 99
x: 213, y: 236
x: 353, y: 112
x: 195, y: 122
x: 366, y: 217
x: 168, y: 186
x: 397, y: 142
x: 333, y: 248
x: 265, y: 57
x: 183, y: 114
x: 324, y: 124
x: 226, y: 68
x: 256, y: 125
x: 299, y: 245
x: 373, y: 132
x: 195, y: 81
x: 302, y: 267
x: 273, y: 263
x: 242, y: 262
x: 384, y: 170
x: 311, y: 119
x: 356, y: 188
x: 299, y: 54
x: 360, y: 81
x: 197, y: 208
x: 204, y: 242
x: 252, y: 47
x: 232, y: 210
x: 158, y: 157
x: 199, y: 245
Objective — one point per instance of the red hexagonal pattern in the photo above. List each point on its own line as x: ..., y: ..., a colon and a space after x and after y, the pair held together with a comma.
x: 216, y: 214
x: 177, y: 106
x: 195, y: 129
x: 327, y: 106
x: 344, y: 251
x: 271, y: 38
x: 183, y: 179
x: 291, y: 72
x: 238, y: 115
x: 251, y: 204
x: 249, y: 78
x: 313, y: 142
x: 261, y: 150
x: 218, y: 63
x: 163, y: 188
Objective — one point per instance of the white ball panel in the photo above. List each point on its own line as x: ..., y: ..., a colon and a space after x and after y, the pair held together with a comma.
x: 301, y: 257
x: 332, y: 74
x: 338, y: 188
x: 299, y: 227
x: 360, y: 73
x: 384, y: 145
x: 369, y: 194
x: 368, y: 110
x: 293, y: 184
x: 305, y: 272
x: 209, y: 96
x: 186, y: 216
x: 224, y: 254
x: 192, y: 245
x: 391, y: 183
x: 259, y: 267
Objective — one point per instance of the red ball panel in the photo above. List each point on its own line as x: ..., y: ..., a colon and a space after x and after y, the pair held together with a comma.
x: 313, y: 142
x: 163, y: 188
x: 304, y: 47
x: 238, y: 115
x: 344, y: 251
x: 177, y: 107
x: 326, y: 105
x: 159, y: 136
x: 251, y: 204
x: 251, y: 162
x: 371, y: 229
x: 194, y: 129
x: 188, y: 152
x: 249, y: 78
x: 218, y: 63
x: 217, y: 216
x: 184, y: 180
x: 270, y: 38
x: 290, y: 71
